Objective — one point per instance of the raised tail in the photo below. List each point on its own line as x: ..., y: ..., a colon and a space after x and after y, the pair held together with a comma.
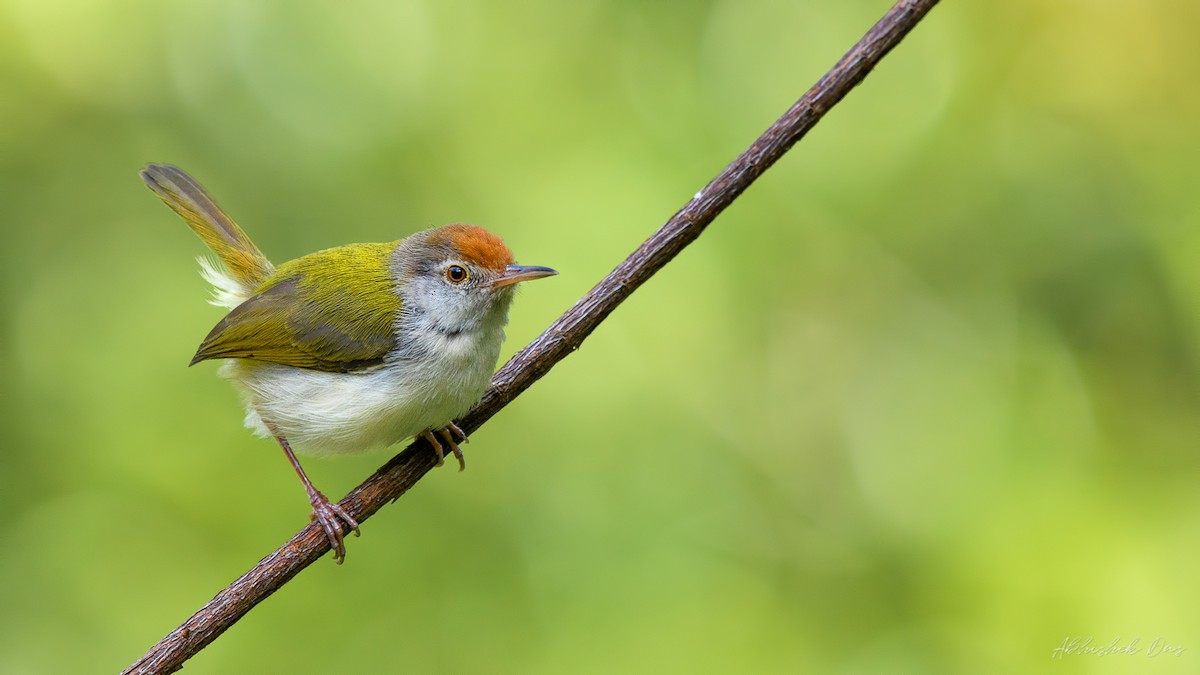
x: 245, y: 263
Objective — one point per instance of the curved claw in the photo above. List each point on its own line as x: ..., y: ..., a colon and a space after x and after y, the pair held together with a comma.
x: 448, y: 434
x: 333, y: 520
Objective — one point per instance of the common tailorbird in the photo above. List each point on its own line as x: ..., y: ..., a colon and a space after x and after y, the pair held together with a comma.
x: 355, y: 347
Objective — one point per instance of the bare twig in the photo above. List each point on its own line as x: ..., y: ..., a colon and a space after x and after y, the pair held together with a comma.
x: 560, y: 339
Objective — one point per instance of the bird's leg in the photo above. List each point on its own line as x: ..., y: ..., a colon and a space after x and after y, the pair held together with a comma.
x: 329, y: 515
x: 462, y: 435
x: 437, y: 447
x: 447, y: 433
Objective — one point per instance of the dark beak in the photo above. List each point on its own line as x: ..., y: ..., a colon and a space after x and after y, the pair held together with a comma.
x: 518, y: 273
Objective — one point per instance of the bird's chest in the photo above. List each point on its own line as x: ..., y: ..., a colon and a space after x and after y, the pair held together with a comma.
x: 448, y: 371
x: 426, y: 383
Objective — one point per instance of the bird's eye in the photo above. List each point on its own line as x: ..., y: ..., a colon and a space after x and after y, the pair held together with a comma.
x: 456, y: 274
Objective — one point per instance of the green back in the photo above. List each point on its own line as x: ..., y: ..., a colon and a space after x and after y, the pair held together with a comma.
x: 333, y: 310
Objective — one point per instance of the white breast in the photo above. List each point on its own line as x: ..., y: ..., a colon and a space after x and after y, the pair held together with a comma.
x: 329, y: 413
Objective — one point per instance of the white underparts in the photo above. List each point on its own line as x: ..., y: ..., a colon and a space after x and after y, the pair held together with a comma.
x: 431, y: 378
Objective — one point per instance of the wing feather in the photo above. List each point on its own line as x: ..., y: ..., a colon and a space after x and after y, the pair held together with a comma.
x: 334, y: 310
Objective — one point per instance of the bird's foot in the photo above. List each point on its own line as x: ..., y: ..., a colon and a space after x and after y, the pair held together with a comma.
x: 448, y: 434
x: 335, y: 521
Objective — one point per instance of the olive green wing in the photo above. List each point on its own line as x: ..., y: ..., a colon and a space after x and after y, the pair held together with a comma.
x: 333, y: 310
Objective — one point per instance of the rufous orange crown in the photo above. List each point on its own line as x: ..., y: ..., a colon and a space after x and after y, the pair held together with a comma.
x: 476, y: 245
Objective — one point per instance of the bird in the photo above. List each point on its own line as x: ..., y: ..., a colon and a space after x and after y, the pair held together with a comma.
x: 354, y: 347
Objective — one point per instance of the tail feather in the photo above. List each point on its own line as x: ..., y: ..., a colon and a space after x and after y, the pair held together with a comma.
x: 246, y: 264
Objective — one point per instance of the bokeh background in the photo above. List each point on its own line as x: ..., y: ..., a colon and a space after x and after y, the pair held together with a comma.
x: 923, y: 400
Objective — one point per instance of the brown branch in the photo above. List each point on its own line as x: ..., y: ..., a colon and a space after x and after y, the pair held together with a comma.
x: 560, y: 339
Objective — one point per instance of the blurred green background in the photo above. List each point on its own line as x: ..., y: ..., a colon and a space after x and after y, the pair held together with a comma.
x: 924, y: 399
